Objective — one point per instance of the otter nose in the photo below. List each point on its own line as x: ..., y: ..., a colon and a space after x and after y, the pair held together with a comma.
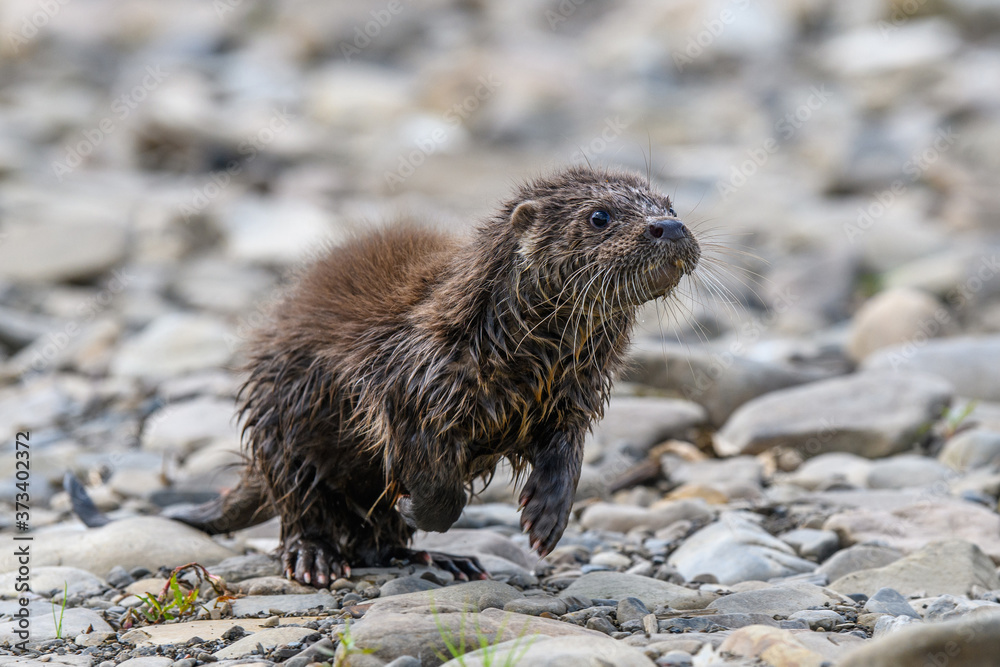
x: 666, y: 230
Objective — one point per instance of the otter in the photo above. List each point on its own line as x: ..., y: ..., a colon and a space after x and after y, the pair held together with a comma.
x: 407, y: 363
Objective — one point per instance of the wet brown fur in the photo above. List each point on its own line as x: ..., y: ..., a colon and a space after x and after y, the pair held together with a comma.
x: 409, y: 362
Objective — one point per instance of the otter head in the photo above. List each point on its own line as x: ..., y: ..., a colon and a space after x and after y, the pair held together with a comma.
x: 605, y: 235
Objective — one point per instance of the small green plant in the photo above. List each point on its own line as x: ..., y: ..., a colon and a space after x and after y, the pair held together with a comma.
x: 174, y: 601
x: 62, y: 611
x: 350, y: 648
x: 954, y: 419
x: 487, y: 645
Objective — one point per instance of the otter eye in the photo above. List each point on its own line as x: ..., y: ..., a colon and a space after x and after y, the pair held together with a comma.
x: 671, y: 212
x: 600, y: 219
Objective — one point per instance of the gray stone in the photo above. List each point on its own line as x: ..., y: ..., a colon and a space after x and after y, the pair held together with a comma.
x: 172, y: 345
x: 818, y: 619
x: 947, y: 607
x: 952, y: 566
x: 634, y: 424
x: 468, y: 596
x: 721, y: 382
x: 535, y: 606
x: 150, y: 541
x: 715, y: 622
x: 183, y: 427
x: 403, y: 585
x: 557, y: 651
x: 735, y: 549
x: 422, y: 631
x: 731, y: 476
x: 833, y: 468
x: 978, y: 448
x: 44, y: 251
x: 887, y: 624
x: 970, y: 364
x: 631, y: 609
x: 250, y: 566
x: 966, y: 642
x: 779, y: 600
x: 907, y: 470
x: 652, y: 592
x: 271, y: 586
x: 894, y: 317
x: 623, y: 518
x: 812, y: 544
x: 479, y: 543
x: 252, y: 236
x: 54, y: 579
x: 147, y: 661
x: 871, y: 414
x: 889, y: 601
x: 255, y: 604
x: 268, y: 638
x: 858, y: 557
x: 45, y: 618
x: 911, y: 526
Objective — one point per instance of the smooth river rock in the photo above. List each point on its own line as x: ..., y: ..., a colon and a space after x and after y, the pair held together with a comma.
x: 869, y: 414
x: 970, y: 363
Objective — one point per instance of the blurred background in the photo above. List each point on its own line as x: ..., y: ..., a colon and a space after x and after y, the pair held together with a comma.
x: 165, y: 165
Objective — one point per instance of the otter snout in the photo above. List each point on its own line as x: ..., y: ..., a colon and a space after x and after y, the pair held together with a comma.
x: 666, y: 229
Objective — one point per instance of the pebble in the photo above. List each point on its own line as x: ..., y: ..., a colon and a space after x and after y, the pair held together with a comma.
x: 582, y: 651
x: 735, y: 549
x: 780, y: 600
x: 174, y: 344
x: 894, y: 317
x: 889, y: 601
x: 858, y: 557
x: 624, y: 518
x: 57, y: 251
x: 267, y: 638
x: 816, y: 619
x: 631, y: 609
x: 977, y: 448
x: 652, y: 592
x: 812, y: 544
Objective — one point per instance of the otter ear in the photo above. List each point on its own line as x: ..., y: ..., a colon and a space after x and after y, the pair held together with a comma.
x: 524, y: 215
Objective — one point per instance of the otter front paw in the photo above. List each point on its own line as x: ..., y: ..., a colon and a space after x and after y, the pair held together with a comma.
x: 312, y: 562
x: 546, y: 503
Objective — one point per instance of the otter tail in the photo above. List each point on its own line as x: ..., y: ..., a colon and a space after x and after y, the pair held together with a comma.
x: 242, y: 507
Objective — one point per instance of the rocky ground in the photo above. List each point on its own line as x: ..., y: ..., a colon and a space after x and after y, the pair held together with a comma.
x: 802, y: 465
